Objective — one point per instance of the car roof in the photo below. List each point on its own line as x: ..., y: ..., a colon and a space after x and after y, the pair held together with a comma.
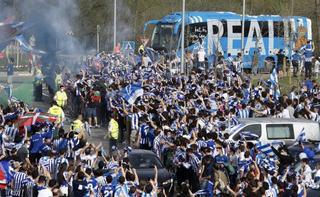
x: 275, y: 120
x: 141, y: 151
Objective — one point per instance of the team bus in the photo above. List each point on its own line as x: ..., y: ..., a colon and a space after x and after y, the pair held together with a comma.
x: 264, y: 35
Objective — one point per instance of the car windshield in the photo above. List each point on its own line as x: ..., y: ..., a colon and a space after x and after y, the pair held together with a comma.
x: 163, y: 37
x: 144, y: 161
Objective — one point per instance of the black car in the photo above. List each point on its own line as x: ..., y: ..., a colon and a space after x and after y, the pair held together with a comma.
x: 144, y: 161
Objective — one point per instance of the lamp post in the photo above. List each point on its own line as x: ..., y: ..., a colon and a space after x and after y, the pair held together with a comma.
x: 182, y: 37
x: 114, y: 24
x: 98, y: 38
x: 242, y: 31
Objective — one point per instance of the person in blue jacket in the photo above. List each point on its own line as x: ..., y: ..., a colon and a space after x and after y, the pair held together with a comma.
x: 37, y: 141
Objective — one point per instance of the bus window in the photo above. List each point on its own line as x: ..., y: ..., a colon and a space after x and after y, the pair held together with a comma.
x: 195, y: 33
x: 280, y: 131
x: 163, y: 37
x: 278, y: 28
x: 264, y: 28
x: 254, y: 128
x: 238, y: 28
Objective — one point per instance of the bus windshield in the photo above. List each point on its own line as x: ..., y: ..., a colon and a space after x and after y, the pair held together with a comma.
x: 163, y: 38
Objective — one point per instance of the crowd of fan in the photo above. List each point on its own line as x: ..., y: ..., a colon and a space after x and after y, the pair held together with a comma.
x: 185, y: 120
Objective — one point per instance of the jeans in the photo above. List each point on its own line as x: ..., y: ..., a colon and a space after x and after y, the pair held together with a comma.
x: 295, y: 65
x: 113, y: 144
x: 307, y: 69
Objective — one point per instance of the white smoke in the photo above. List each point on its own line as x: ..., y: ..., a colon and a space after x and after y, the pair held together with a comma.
x: 56, y: 19
x: 125, y: 24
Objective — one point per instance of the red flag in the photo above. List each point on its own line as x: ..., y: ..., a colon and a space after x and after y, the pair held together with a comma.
x: 31, y: 118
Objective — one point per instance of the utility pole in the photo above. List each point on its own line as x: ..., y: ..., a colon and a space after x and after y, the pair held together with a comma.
x: 98, y: 38
x: 242, y: 31
x: 114, y: 24
x: 291, y: 36
x: 182, y: 36
x: 17, y: 52
x: 318, y: 20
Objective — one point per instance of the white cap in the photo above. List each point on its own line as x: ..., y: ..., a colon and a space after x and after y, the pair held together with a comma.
x: 303, y: 156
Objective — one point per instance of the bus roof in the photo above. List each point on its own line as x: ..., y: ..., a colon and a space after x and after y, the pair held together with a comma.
x: 203, y: 16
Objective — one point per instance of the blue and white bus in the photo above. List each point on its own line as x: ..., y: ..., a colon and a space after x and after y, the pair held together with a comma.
x: 221, y: 32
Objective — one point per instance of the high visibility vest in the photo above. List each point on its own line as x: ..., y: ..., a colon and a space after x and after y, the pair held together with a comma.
x: 61, y: 98
x: 141, y: 48
x: 56, y: 111
x: 113, y: 129
x: 76, y: 125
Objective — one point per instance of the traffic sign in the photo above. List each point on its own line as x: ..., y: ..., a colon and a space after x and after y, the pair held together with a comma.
x: 128, y: 46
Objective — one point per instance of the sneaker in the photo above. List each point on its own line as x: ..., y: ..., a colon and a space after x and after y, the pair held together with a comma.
x: 97, y: 126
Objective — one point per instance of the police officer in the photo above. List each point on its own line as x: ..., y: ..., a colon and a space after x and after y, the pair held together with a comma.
x: 57, y: 111
x: 113, y: 132
x: 61, y: 97
x: 77, y: 125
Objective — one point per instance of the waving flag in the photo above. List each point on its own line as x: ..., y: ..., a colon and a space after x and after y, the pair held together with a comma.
x: 31, y: 118
x: 244, y: 164
x: 23, y: 43
x: 25, y: 46
x: 152, y: 54
x: 5, y: 174
x: 302, y: 136
x: 249, y: 135
x: 234, y: 121
x: 268, y: 163
x: 266, y: 149
x: 274, y: 84
x: 274, y: 77
x: 131, y: 93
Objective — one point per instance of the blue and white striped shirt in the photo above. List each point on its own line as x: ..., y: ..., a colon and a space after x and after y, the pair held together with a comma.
x: 195, y: 162
x: 157, y: 147
x: 71, y: 144
x: 180, y: 155
x: 18, y: 179
x: 134, y: 121
x: 11, y: 132
x: 201, y: 143
x: 243, y: 113
x: 28, y: 185
x: 152, y: 194
x: 48, y: 163
x: 144, y: 129
x: 121, y: 190
x: 56, y: 143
